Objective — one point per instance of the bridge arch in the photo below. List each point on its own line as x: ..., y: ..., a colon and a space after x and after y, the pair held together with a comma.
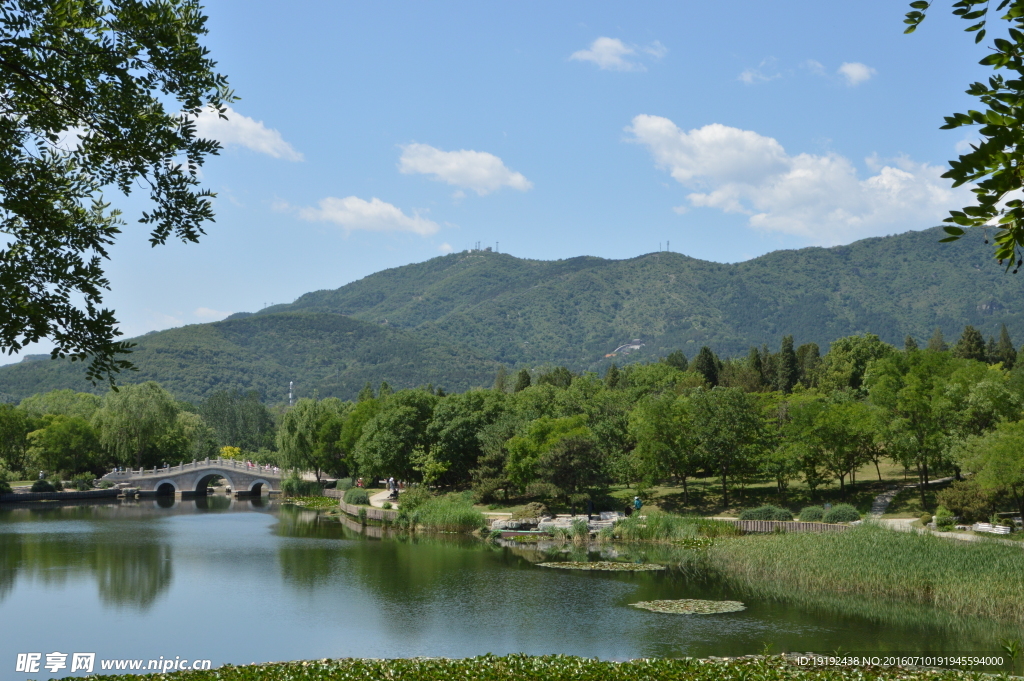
x: 204, y: 479
x: 166, y: 487
x: 257, y: 486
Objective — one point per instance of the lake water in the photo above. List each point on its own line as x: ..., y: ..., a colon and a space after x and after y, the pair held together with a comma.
x: 239, y: 581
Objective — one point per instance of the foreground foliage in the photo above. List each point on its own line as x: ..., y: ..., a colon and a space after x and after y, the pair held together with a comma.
x: 547, y: 668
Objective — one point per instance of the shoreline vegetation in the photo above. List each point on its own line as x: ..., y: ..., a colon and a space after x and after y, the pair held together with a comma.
x: 521, y: 667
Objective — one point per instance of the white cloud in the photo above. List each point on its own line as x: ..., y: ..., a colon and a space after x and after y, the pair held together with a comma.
x: 476, y: 170
x: 764, y: 72
x: 239, y: 130
x: 210, y: 314
x: 445, y: 248
x: 610, y: 54
x: 374, y: 215
x: 855, y: 73
x: 815, y: 196
x: 815, y: 67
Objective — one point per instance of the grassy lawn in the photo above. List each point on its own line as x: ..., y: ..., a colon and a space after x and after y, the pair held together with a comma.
x: 907, y: 504
x: 705, y: 496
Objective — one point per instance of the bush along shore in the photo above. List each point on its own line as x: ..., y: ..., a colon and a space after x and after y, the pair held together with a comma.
x: 559, y: 668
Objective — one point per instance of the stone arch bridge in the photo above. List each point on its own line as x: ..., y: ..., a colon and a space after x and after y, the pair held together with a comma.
x: 193, y: 478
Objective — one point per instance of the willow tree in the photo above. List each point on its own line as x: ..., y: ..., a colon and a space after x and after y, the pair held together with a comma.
x: 134, y: 420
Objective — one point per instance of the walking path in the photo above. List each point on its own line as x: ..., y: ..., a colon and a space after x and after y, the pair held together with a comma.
x: 882, y: 501
x: 379, y: 498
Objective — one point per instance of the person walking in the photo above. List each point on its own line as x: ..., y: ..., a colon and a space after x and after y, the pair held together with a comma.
x: 637, y: 504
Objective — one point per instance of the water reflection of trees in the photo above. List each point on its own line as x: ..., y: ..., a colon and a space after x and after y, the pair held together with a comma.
x: 130, y: 569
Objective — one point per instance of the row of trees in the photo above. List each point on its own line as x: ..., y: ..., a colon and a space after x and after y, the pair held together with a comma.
x: 770, y: 416
x: 140, y: 425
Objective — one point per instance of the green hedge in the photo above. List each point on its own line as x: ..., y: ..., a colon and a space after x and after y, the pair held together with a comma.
x: 547, y: 668
x: 766, y: 512
x: 812, y: 514
x: 841, y: 513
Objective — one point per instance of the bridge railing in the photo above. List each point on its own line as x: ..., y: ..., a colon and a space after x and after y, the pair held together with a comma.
x: 196, y: 464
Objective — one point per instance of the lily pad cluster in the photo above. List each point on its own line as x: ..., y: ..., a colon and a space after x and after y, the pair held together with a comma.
x: 691, y: 606
x: 605, y: 565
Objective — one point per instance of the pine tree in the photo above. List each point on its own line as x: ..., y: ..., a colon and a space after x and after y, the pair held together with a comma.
x: 808, y: 357
x: 971, y: 345
x: 909, y: 344
x: 789, y: 369
x: 706, y: 365
x: 522, y: 381
x: 501, y: 380
x: 937, y: 343
x: 611, y: 378
x: 677, y: 359
x: 991, y: 350
x: 754, y: 361
x: 366, y: 393
x: 1007, y: 353
x: 385, y: 389
x: 769, y: 368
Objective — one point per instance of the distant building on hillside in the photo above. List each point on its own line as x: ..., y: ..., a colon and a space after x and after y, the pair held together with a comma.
x: 629, y: 347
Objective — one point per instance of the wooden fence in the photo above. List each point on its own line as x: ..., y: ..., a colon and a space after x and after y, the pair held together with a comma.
x: 372, y: 513
x: 784, y: 526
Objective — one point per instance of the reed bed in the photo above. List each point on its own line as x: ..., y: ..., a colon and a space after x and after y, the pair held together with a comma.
x: 961, y: 578
x: 663, y: 527
x: 447, y: 514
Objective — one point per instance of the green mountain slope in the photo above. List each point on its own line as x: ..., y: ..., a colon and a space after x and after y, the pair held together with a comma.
x: 451, y: 320
x: 327, y: 353
x: 575, y: 311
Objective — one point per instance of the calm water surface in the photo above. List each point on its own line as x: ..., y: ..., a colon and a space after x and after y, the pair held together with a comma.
x: 241, y: 581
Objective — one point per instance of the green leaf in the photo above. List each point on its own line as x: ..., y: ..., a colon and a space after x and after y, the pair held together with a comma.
x: 956, y: 231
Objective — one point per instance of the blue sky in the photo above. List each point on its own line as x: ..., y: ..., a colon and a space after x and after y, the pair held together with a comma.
x: 373, y: 135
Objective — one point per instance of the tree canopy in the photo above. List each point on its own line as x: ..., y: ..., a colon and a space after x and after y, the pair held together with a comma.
x: 96, y: 97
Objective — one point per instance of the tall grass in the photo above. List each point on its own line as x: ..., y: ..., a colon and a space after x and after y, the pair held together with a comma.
x: 664, y: 527
x: 294, y: 486
x: 445, y: 514
x: 961, y: 578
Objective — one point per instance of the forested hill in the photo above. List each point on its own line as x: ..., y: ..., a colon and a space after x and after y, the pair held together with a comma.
x: 451, y: 320
x: 575, y: 311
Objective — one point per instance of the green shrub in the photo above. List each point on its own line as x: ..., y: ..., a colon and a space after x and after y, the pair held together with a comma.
x: 531, y: 510
x: 362, y: 516
x: 344, y: 484
x: 944, y: 518
x: 43, y: 486
x: 105, y: 484
x: 83, y: 481
x: 357, y: 496
x: 812, y: 514
x: 386, y: 505
x: 412, y: 498
x: 295, y: 486
x: 766, y: 512
x: 841, y: 513
x: 926, y: 518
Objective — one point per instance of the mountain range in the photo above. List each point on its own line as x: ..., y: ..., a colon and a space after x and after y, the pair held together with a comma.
x: 452, y: 321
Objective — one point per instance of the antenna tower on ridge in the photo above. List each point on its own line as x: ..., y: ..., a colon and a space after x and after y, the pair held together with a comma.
x: 290, y: 384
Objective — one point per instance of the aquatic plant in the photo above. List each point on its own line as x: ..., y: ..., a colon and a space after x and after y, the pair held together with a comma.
x: 691, y: 606
x: 961, y: 578
x: 664, y: 527
x: 313, y: 502
x: 294, y: 486
x: 520, y: 667
x: 604, y: 565
x: 450, y: 513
